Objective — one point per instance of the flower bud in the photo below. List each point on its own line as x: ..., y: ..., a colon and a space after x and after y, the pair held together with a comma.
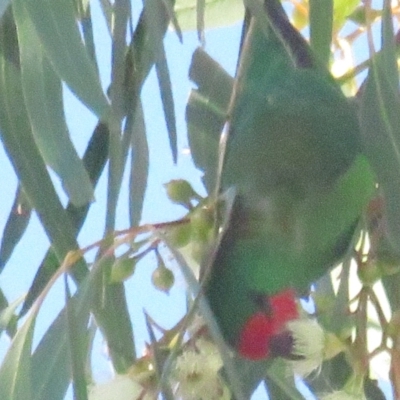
x: 369, y: 273
x: 179, y: 235
x: 122, y: 269
x: 142, y: 371
x: 181, y: 192
x: 163, y: 278
x: 202, y: 222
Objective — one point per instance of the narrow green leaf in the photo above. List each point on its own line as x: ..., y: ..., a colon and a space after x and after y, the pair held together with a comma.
x: 217, y: 13
x: 164, y: 82
x: 51, y: 375
x: 23, y: 153
x: 251, y: 373
x: 106, y: 8
x: 321, y: 24
x: 169, y: 6
x: 117, y: 154
x: 391, y: 284
x: 145, y: 47
x: 200, y: 11
x: 143, y: 52
x: 212, y: 80
x: 94, y: 159
x: 15, y: 370
x: 204, y: 126
x: 281, y: 384
x: 333, y: 309
x: 206, y: 113
x: 194, y: 287
x: 77, y: 342
x: 341, y: 317
x: 342, y: 10
x: 46, y: 270
x: 87, y: 32
x: 56, y: 27
x: 15, y: 227
x: 332, y: 376
x: 139, y: 168
x: 159, y: 357
x: 7, y: 315
x: 43, y: 98
x: 122, y: 12
x: 380, y: 123
x: 359, y: 15
x: 115, y: 326
x: 230, y: 367
x: 388, y: 58
x: 81, y: 8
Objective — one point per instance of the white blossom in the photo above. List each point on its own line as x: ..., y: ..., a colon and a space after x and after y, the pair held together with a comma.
x: 308, y: 344
x: 122, y: 387
x: 196, y: 374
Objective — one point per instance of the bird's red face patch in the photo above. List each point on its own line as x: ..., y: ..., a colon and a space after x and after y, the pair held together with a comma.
x: 258, y: 330
x: 255, y: 337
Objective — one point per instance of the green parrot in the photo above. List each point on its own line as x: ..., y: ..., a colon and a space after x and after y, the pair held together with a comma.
x: 293, y: 156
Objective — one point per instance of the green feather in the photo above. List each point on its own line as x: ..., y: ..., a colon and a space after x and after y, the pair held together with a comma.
x: 294, y: 157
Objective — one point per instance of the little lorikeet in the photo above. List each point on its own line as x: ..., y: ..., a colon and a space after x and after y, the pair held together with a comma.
x: 293, y: 155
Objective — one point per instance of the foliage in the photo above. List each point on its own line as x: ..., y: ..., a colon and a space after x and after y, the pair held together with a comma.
x: 46, y: 45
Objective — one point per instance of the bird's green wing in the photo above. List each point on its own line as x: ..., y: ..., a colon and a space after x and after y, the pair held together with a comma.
x: 293, y: 156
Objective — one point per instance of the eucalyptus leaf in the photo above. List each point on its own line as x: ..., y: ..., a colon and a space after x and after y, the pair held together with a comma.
x: 43, y: 98
x: 28, y: 164
x: 87, y: 32
x: 280, y: 383
x: 139, y: 168
x: 78, y: 341
x: 231, y: 369
x: 169, y: 5
x: 321, y: 22
x: 164, y: 82
x: 342, y: 10
x: 115, y: 326
x: 51, y: 375
x: 333, y: 375
x: 94, y: 159
x: 117, y: 153
x: 55, y: 24
x: 212, y: 80
x: 121, y: 17
x: 200, y: 11
x: 206, y: 113
x: 391, y: 284
x: 7, y: 315
x: 380, y: 123
x: 15, y: 370
x: 15, y: 227
x: 204, y: 127
x: 160, y: 356
x: 217, y: 13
